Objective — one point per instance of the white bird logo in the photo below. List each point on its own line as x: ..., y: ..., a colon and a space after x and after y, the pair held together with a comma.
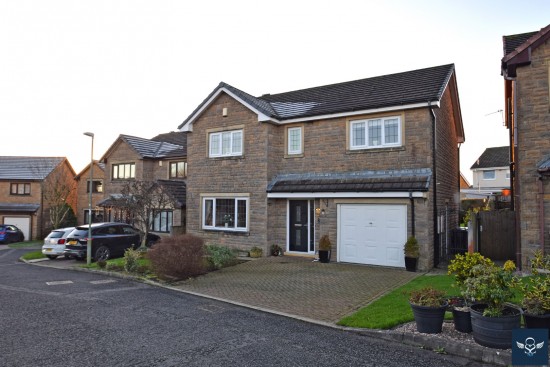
x: 530, y: 345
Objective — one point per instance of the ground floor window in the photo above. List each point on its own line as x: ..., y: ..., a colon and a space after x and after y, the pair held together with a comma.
x: 225, y: 213
x: 162, y: 221
x: 97, y: 215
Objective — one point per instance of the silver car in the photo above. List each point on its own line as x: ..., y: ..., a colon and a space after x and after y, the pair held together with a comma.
x: 54, y: 243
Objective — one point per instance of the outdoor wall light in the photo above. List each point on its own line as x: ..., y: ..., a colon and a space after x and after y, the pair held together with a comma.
x: 317, y: 212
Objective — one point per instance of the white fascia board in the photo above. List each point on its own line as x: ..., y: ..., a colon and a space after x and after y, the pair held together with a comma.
x: 307, y: 195
x: 188, y: 125
x: 361, y: 112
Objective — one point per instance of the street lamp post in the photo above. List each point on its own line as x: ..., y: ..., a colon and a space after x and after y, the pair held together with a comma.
x: 90, y: 188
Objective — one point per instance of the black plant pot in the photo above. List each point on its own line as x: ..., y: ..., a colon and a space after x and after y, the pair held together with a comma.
x: 494, y: 332
x: 324, y: 256
x: 462, y: 320
x: 537, y: 321
x: 410, y: 263
x: 429, y: 319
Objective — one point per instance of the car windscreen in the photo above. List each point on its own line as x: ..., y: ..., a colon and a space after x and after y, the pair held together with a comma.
x: 79, y: 232
x: 56, y: 234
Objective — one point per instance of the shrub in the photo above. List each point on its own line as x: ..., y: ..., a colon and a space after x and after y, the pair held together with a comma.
x: 536, y: 292
x: 412, y: 249
x: 256, y: 252
x: 114, y: 267
x: 131, y: 260
x: 178, y: 257
x: 276, y: 250
x: 102, y: 263
x: 220, y: 257
x: 428, y: 296
x: 324, y: 243
x: 461, y: 266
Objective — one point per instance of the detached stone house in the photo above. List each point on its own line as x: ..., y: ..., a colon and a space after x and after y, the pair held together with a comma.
x: 134, y: 158
x: 83, y: 192
x: 526, y: 71
x: 27, y: 186
x: 368, y: 162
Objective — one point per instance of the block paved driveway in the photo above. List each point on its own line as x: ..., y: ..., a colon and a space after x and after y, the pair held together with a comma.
x: 299, y: 286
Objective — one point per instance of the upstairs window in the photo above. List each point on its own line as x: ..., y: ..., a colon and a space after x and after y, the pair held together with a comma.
x: 123, y: 171
x: 178, y: 169
x: 226, y: 144
x: 20, y: 189
x: 97, y: 186
x: 294, y: 141
x: 489, y: 175
x: 375, y: 133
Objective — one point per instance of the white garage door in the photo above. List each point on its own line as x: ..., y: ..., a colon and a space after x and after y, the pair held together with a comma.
x: 23, y: 223
x: 372, y: 234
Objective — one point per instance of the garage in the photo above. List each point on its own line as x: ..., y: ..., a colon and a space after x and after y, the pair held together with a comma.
x: 23, y: 223
x: 372, y: 234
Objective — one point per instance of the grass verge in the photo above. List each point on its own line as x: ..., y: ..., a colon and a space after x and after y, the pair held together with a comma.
x: 393, y: 309
x: 33, y: 255
x: 26, y: 244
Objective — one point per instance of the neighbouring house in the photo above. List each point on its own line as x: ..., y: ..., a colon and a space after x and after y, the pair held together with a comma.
x: 491, y: 173
x: 368, y: 162
x: 464, y: 183
x: 83, y: 193
x: 158, y: 160
x: 526, y: 71
x: 36, y: 193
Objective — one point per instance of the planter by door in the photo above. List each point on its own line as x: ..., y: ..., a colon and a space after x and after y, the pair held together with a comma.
x: 494, y: 332
x: 462, y: 320
x: 537, y: 321
x: 324, y: 256
x: 410, y: 263
x: 429, y: 319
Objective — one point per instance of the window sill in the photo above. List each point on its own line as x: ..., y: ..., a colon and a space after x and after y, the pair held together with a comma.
x: 229, y: 157
x: 301, y: 155
x: 375, y: 150
x: 226, y: 230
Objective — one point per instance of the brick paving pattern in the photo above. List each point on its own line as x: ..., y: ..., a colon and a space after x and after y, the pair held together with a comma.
x: 300, y: 287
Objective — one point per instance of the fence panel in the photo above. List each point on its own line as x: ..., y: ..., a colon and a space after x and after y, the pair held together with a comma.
x: 497, y: 232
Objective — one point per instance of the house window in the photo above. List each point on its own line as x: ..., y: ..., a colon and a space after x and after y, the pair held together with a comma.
x: 20, y: 189
x: 225, y: 213
x: 97, y: 215
x: 489, y: 175
x: 178, y: 169
x: 124, y: 171
x: 508, y: 174
x: 375, y: 133
x: 294, y: 140
x: 226, y: 143
x: 97, y: 186
x: 162, y: 221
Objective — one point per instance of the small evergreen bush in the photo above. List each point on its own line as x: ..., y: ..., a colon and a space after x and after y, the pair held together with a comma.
x: 220, y: 257
x: 131, y: 260
x: 178, y: 257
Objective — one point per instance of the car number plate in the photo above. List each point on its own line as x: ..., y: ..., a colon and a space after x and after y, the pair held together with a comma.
x: 49, y: 249
x: 72, y: 242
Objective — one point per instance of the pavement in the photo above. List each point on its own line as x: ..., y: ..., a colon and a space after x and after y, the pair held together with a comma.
x: 314, y: 292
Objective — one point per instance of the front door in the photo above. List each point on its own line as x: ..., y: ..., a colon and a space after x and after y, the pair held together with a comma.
x: 298, y: 225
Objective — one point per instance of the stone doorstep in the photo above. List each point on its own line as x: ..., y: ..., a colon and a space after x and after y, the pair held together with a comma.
x: 497, y: 357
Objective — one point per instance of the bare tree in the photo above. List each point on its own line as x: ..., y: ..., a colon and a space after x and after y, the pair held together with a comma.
x: 58, y: 193
x: 141, y: 199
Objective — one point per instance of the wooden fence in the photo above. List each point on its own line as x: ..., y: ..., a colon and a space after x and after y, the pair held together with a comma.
x: 496, y: 234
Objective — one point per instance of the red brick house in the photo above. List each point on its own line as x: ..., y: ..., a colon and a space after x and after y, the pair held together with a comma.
x: 368, y: 162
x: 83, y: 198
x: 526, y: 71
x: 28, y: 186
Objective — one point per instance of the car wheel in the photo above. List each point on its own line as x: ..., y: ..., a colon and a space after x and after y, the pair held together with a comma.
x: 68, y: 257
x: 102, y: 253
x: 51, y: 257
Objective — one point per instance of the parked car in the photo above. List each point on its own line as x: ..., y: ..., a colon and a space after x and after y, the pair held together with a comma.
x: 10, y: 233
x: 109, y: 240
x: 54, y: 243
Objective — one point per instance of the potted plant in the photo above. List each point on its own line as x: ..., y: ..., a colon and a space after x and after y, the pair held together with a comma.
x: 276, y: 250
x: 536, y: 294
x: 255, y: 252
x: 428, y: 306
x: 227, y: 219
x: 325, y: 247
x: 493, y: 317
x: 461, y: 267
x: 412, y: 253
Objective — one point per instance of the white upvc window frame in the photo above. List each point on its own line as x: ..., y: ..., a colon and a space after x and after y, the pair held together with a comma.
x: 489, y: 178
x: 216, y: 146
x: 291, y: 149
x: 367, y: 139
x: 210, y: 221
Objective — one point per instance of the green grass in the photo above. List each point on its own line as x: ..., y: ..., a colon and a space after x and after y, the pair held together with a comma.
x: 26, y: 244
x: 393, y: 309
x: 33, y: 255
x: 118, y: 262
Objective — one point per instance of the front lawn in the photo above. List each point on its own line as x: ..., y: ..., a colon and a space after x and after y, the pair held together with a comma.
x: 26, y: 244
x: 33, y: 255
x: 393, y: 309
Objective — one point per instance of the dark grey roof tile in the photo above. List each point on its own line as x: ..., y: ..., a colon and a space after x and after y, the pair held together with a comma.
x: 27, y: 168
x: 493, y: 157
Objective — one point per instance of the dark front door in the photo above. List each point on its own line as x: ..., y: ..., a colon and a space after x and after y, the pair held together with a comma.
x: 298, y: 225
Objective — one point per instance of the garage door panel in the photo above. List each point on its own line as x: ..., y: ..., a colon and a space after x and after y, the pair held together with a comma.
x: 23, y: 223
x: 372, y: 234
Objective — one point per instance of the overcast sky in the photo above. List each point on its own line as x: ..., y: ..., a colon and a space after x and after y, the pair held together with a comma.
x: 141, y: 67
